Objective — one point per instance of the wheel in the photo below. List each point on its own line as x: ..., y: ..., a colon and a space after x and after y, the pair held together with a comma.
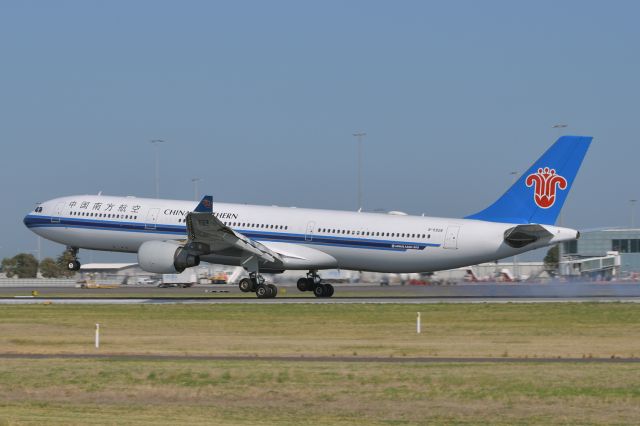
x: 319, y: 290
x: 262, y: 291
x: 245, y: 285
x: 71, y: 266
x: 310, y: 284
x: 302, y: 284
x: 329, y: 289
x: 274, y: 290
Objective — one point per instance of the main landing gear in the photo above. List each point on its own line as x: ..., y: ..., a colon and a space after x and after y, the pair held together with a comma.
x: 314, y: 283
x: 256, y: 283
x: 73, y: 265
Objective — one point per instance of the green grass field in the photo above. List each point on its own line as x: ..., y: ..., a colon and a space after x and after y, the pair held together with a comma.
x: 120, y: 391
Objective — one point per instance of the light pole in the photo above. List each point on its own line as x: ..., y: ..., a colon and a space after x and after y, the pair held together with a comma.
x: 359, y: 136
x: 195, y: 188
x: 156, y: 144
x: 515, y: 175
x: 632, y: 204
x: 560, y: 128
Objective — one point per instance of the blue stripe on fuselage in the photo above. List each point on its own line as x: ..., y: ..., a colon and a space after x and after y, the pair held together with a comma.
x: 180, y: 230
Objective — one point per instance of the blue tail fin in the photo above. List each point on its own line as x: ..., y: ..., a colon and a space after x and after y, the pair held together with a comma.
x: 539, y: 194
x: 205, y: 205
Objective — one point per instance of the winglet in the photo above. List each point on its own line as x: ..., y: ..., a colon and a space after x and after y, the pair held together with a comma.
x: 206, y: 205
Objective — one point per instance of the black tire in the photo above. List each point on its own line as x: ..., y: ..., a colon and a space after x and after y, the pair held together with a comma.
x: 302, y: 284
x: 274, y: 290
x: 310, y: 284
x: 262, y: 291
x: 319, y: 290
x: 329, y: 290
x: 245, y: 285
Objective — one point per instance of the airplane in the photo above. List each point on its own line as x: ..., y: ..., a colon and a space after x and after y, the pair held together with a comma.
x: 172, y: 235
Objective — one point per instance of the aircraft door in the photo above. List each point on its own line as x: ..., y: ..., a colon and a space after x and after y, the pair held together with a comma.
x: 55, y: 218
x: 152, y: 219
x: 308, y: 235
x: 451, y: 237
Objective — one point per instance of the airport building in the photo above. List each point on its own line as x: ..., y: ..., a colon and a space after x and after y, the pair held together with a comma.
x: 625, y: 241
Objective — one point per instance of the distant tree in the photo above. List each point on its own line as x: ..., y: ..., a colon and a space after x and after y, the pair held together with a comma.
x: 49, y: 268
x: 22, y: 265
x: 62, y: 262
x: 552, y: 259
x: 8, y: 266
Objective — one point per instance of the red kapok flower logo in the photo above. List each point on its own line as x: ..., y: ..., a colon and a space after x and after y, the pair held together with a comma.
x: 546, y: 181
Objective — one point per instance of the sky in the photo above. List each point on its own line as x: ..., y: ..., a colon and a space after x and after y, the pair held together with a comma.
x: 260, y: 100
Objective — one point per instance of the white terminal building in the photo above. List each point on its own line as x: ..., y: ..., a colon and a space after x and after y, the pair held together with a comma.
x: 625, y: 241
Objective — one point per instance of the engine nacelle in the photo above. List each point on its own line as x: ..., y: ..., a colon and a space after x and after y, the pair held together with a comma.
x: 165, y: 257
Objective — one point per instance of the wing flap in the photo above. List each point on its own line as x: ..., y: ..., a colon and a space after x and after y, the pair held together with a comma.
x: 203, y: 227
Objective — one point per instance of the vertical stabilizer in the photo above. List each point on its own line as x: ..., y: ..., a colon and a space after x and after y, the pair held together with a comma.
x: 538, y: 195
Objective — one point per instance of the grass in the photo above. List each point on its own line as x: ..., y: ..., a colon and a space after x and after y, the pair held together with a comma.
x: 120, y: 391
x: 471, y: 330
x: 257, y: 392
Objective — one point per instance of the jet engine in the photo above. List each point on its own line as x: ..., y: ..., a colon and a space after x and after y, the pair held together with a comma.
x: 165, y: 257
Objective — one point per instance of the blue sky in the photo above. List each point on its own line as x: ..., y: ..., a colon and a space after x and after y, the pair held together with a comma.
x: 259, y: 100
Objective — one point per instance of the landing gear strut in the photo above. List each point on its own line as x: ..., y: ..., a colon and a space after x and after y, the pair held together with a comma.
x: 256, y: 283
x: 314, y: 283
x: 73, y: 265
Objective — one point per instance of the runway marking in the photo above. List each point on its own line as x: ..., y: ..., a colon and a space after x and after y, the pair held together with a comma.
x: 286, y: 358
x: 304, y: 300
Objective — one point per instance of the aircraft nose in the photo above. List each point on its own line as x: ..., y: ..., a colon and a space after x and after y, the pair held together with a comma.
x: 27, y: 221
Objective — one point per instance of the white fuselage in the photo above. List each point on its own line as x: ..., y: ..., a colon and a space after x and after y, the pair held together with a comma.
x: 356, y: 240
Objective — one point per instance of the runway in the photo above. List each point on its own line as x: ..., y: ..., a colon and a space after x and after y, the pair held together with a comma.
x: 306, y: 300
x: 345, y: 294
x: 350, y: 359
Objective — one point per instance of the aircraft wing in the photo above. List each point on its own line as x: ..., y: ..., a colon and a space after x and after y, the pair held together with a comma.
x: 203, y: 228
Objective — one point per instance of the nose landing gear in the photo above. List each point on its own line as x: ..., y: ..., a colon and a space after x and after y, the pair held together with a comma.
x: 73, y: 264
